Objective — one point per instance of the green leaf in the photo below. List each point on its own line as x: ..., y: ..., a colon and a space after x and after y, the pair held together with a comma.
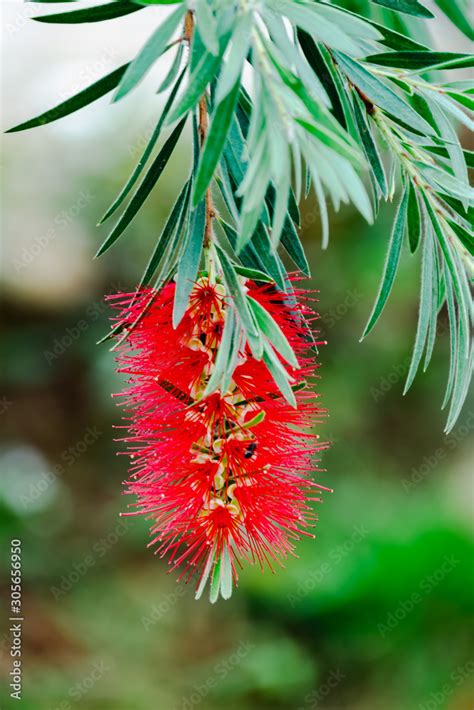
x: 451, y: 141
x: 253, y: 274
x: 236, y: 291
x: 421, y: 60
x: 410, y: 7
x: 232, y: 69
x: 157, y: 2
x: 332, y: 140
x: 289, y: 239
x: 146, y: 153
x: 164, y: 239
x: 145, y: 188
x: 382, y: 95
x: 83, y: 98
x: 396, y: 40
x: 207, y: 23
x: 188, y: 265
x: 273, y: 332
x: 173, y: 70
x: 309, y: 19
x: 228, y: 342
x: 369, y: 144
x: 391, y: 263
x: 453, y: 338
x: 205, y: 575
x: 149, y: 53
x: 278, y: 373
x: 215, y: 142
x: 119, y: 8
x: 201, y: 76
x: 458, y: 13
x: 466, y: 238
x: 427, y: 267
x: 414, y: 219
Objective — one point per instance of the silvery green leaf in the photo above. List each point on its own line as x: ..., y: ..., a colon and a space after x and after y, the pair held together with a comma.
x: 233, y: 64
x: 278, y: 373
x: 150, y: 52
x: 391, y: 262
x: 272, y: 331
x: 308, y: 17
x: 206, y: 21
x: 382, y: 95
x: 190, y: 257
x: 425, y: 308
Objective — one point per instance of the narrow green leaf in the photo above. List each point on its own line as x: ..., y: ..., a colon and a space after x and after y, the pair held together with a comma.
x: 173, y: 70
x: 168, y: 230
x: 236, y: 292
x: 215, y: 582
x: 83, y: 98
x: 278, y: 373
x: 466, y: 238
x: 201, y: 76
x: 146, y: 153
x: 391, y: 263
x: 253, y: 274
x: 144, y: 189
x: 331, y: 140
x: 119, y: 8
x: 188, y: 265
x: 273, y: 332
x: 226, y: 574
x: 382, y: 95
x: 232, y: 69
x: 207, y: 23
x: 427, y: 266
x: 414, y: 219
x: 205, y: 575
x: 369, y: 144
x: 410, y: 7
x: 309, y: 19
x: 214, y: 143
x: 149, y: 53
x: 224, y: 353
x: 453, y: 338
x: 421, y: 60
x: 458, y: 13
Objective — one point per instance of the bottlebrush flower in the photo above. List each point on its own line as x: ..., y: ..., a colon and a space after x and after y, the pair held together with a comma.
x: 224, y: 477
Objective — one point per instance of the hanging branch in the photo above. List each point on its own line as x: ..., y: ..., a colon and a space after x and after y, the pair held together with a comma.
x: 283, y: 97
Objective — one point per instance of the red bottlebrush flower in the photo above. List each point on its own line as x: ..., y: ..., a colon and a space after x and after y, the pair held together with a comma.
x: 225, y: 477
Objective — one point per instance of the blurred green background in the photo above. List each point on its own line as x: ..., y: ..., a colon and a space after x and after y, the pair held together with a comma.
x: 375, y: 613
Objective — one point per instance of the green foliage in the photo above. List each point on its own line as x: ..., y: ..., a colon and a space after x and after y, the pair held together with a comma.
x: 329, y: 107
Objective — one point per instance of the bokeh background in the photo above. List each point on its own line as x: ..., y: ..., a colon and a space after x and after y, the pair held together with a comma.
x: 373, y: 614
